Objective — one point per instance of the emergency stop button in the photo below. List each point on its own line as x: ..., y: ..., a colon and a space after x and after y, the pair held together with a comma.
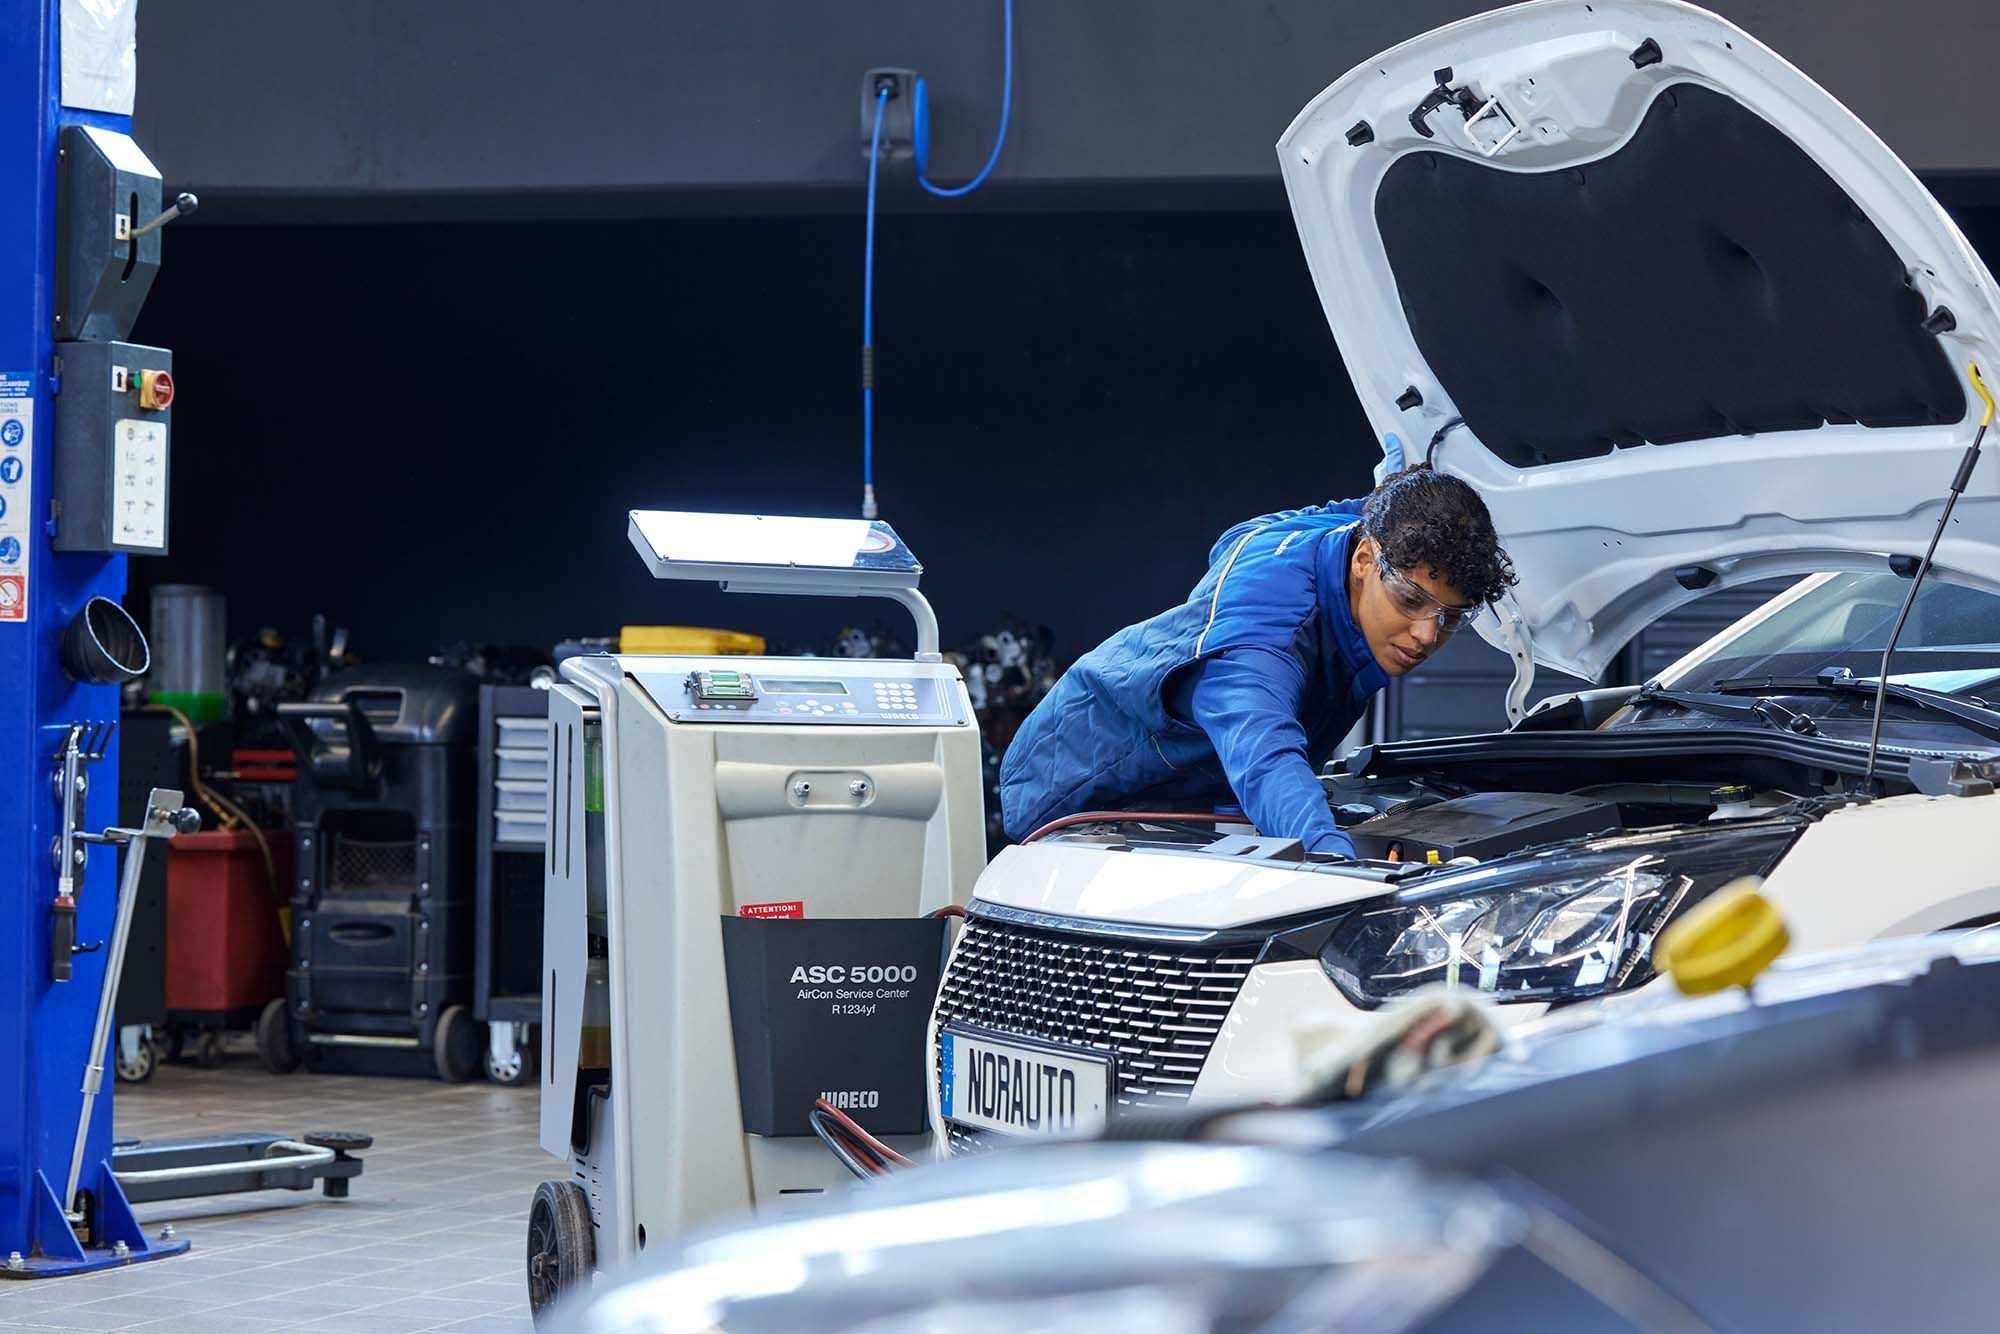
x: 156, y: 390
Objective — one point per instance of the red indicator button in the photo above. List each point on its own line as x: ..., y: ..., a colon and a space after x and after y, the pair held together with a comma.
x: 156, y: 390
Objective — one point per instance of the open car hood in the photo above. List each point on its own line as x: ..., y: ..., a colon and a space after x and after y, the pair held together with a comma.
x: 1681, y: 318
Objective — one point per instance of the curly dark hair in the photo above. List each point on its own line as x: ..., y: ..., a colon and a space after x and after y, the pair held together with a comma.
x: 1424, y: 519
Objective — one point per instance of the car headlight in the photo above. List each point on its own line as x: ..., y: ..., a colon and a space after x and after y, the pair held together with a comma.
x: 1558, y: 925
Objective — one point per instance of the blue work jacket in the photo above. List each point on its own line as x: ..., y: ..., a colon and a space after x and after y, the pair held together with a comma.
x: 1136, y: 722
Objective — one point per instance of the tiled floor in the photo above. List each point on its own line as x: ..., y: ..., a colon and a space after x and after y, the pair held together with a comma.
x: 431, y: 1238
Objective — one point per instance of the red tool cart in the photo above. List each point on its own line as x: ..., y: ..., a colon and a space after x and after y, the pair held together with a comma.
x: 225, y: 941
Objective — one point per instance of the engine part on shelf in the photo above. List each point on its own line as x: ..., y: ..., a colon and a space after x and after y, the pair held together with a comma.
x: 874, y: 641
x: 268, y: 670
x: 1012, y: 666
x: 494, y: 664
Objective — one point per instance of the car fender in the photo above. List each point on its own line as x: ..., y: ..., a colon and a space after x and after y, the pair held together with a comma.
x: 1894, y: 867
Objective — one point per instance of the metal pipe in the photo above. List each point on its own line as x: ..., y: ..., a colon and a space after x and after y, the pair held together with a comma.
x: 114, y: 963
x: 927, y: 622
x: 296, y: 1155
x: 72, y: 769
x: 360, y: 1040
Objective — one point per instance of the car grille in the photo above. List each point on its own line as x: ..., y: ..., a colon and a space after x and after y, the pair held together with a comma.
x: 1155, y: 1007
x: 966, y: 1141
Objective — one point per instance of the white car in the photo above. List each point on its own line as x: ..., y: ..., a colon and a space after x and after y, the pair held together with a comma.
x: 1686, y: 324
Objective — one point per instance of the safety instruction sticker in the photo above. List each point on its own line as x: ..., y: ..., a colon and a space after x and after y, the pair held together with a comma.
x: 139, y: 486
x: 17, y: 437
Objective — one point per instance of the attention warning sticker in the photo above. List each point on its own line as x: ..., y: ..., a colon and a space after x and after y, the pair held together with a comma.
x: 793, y: 910
x: 17, y: 438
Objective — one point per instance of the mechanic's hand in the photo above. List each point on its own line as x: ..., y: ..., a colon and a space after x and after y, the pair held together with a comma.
x: 1335, y: 843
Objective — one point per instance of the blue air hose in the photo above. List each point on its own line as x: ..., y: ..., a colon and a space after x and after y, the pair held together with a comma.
x: 868, y: 324
x: 920, y: 126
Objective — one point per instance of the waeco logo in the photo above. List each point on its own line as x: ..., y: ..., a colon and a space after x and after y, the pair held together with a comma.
x: 853, y: 1099
x: 838, y: 972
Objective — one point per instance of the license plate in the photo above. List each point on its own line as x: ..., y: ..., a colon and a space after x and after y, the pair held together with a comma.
x: 1021, y: 1090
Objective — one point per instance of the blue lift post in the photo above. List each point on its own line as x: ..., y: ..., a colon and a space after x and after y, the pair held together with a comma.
x: 47, y: 1024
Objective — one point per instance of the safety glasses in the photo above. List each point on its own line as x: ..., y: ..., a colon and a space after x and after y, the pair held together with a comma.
x: 1412, y: 601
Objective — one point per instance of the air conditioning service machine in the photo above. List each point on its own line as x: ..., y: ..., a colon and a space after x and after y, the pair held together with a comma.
x: 746, y: 857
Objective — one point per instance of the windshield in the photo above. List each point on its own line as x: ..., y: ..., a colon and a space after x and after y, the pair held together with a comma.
x: 1952, y: 641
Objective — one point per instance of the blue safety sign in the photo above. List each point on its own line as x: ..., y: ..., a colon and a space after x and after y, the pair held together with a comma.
x: 17, y: 430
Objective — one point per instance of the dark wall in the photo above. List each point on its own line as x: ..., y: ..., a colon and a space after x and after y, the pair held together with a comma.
x: 468, y: 107
x: 432, y: 433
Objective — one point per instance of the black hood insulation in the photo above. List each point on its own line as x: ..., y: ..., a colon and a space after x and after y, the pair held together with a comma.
x: 1706, y: 279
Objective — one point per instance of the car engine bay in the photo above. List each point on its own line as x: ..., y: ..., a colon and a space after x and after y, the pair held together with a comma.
x: 1426, y: 821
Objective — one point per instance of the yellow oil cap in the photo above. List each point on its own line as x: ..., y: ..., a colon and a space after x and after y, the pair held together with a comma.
x: 1723, y: 941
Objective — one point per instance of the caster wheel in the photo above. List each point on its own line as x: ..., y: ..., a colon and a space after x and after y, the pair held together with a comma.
x: 517, y: 1070
x: 174, y: 1044
x: 561, y: 1247
x: 457, y: 1045
x: 274, y: 1039
x: 208, y: 1050
x: 140, y: 1070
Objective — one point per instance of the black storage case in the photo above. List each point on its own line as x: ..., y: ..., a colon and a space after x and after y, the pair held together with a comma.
x: 381, y: 969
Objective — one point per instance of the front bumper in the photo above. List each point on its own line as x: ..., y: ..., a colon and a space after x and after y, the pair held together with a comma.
x: 1186, y: 1016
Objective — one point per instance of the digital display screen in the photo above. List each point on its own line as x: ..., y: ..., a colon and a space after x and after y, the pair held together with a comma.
x: 771, y: 687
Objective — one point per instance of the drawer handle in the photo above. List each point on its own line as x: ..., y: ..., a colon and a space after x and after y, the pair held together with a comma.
x: 361, y: 933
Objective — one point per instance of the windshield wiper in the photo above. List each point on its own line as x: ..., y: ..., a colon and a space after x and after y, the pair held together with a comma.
x: 1721, y: 705
x: 1976, y: 716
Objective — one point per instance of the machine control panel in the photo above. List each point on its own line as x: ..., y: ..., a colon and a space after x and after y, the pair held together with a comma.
x: 113, y: 460
x: 873, y: 692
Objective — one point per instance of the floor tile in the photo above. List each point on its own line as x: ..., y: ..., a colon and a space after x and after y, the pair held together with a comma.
x: 435, y: 1224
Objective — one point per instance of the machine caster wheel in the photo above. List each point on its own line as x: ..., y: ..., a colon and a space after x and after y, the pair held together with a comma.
x: 208, y: 1050
x: 457, y: 1045
x: 140, y: 1070
x: 561, y: 1247
x: 274, y: 1039
x: 518, y: 1070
